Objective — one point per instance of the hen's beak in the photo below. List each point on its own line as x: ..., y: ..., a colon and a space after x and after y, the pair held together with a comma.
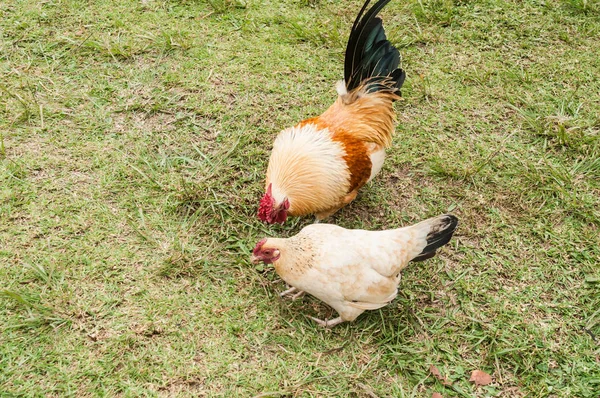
x: 254, y: 259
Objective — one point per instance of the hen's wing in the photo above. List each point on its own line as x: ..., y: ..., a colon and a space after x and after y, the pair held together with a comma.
x: 360, y: 267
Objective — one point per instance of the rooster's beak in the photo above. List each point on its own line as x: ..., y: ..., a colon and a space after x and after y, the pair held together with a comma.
x: 254, y: 259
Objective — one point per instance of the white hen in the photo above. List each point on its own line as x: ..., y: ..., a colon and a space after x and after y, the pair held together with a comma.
x: 352, y: 270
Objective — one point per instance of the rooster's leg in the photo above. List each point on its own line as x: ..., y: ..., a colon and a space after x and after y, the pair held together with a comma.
x: 347, y: 199
x: 298, y: 295
x: 328, y: 323
x: 324, y: 214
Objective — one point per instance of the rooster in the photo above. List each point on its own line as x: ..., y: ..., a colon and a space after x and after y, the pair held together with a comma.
x: 318, y: 166
x: 352, y: 270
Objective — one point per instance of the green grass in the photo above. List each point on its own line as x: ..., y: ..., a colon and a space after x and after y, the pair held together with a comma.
x: 134, y: 138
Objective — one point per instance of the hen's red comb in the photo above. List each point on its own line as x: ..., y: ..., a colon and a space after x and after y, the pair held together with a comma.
x: 258, y: 246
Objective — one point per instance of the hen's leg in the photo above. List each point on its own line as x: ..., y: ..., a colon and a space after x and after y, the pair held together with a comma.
x: 327, y: 323
x: 289, y: 291
x: 299, y: 293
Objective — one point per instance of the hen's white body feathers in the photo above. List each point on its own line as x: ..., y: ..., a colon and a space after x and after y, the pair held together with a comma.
x: 351, y: 270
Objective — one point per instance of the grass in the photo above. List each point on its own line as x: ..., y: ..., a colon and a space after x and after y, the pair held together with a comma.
x: 134, y: 138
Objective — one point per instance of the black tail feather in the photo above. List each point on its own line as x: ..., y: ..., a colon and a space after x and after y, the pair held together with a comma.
x: 438, y: 236
x: 370, y: 56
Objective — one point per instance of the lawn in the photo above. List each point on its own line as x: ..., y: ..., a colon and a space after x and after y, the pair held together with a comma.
x: 134, y: 139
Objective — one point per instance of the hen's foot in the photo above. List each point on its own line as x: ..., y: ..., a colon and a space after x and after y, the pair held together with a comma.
x: 327, y: 323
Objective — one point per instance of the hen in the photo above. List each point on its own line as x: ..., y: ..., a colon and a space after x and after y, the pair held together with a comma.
x: 352, y: 270
x: 318, y: 166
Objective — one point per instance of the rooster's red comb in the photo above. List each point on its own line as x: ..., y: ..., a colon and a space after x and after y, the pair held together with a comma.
x: 265, y: 207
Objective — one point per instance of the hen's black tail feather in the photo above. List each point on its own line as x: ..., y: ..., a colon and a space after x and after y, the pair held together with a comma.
x: 440, y: 233
x: 370, y: 58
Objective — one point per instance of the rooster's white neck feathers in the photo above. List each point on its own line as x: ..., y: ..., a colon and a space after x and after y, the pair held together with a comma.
x: 307, y: 167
